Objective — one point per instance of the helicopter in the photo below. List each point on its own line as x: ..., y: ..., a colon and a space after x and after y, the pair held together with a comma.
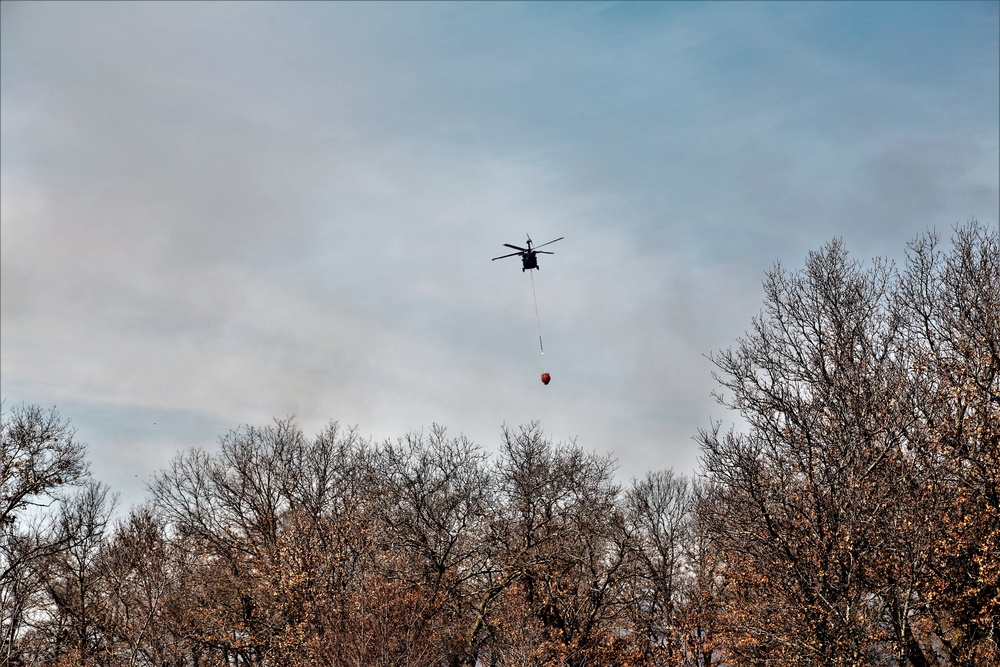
x: 529, y: 259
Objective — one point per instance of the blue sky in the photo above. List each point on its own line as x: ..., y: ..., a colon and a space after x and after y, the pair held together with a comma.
x: 216, y: 214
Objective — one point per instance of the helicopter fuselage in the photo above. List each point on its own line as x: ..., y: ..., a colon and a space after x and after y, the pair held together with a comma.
x: 529, y: 255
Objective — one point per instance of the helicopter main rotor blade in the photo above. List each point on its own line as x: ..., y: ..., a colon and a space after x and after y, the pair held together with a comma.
x: 516, y: 247
x: 552, y: 241
x: 502, y: 256
x: 544, y: 252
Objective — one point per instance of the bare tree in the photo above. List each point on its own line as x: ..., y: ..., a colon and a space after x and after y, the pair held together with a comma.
x: 39, y: 459
x: 561, y: 549
x: 860, y: 491
x: 68, y: 628
x: 439, y: 497
x: 701, y: 617
x: 798, y: 494
x: 951, y: 304
x: 276, y: 533
x: 660, y: 510
x: 143, y: 584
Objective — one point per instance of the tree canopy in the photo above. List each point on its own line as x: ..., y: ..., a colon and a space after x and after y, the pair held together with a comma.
x: 852, y: 518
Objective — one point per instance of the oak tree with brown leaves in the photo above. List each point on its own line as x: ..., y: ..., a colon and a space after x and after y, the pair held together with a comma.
x: 856, y: 513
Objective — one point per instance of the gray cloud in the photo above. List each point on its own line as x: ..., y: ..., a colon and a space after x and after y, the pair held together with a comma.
x: 220, y: 213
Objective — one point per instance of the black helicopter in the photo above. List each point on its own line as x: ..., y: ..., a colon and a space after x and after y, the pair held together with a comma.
x: 529, y: 259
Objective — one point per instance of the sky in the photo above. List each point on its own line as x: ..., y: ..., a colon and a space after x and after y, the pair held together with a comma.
x: 217, y: 214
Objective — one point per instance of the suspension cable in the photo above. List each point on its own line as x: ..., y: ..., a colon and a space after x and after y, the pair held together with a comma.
x: 538, y: 320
